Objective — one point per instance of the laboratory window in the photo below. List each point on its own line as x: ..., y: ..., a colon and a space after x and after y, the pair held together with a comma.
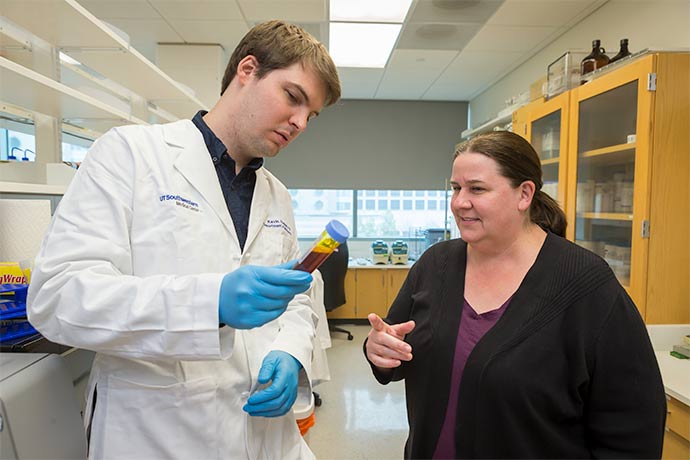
x: 314, y: 208
x: 17, y: 141
x: 376, y: 215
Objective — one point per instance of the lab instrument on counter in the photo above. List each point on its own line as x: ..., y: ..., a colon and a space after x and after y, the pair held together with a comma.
x: 379, y: 252
x: 399, y: 252
x: 333, y: 236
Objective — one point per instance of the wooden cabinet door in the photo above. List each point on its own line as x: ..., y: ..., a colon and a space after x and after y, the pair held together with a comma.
x: 396, y: 277
x: 347, y: 310
x: 371, y: 292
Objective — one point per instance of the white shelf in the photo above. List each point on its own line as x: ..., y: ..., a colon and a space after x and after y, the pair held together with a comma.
x: 488, y: 126
x: 35, y: 92
x: 73, y: 30
x: 40, y: 189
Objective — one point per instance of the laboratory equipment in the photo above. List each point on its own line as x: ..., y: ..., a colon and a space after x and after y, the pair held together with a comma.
x: 399, y: 252
x: 379, y: 252
x: 333, y: 236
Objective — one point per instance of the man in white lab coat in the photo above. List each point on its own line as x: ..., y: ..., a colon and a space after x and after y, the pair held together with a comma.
x: 169, y: 256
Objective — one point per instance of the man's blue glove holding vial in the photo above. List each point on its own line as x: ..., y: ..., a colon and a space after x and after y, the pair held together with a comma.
x: 253, y: 295
x: 282, y: 370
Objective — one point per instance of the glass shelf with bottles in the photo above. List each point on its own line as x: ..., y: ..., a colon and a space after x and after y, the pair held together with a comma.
x: 546, y: 139
x: 605, y: 176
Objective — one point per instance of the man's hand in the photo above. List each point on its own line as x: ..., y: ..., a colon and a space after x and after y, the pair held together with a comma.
x: 282, y: 370
x: 252, y: 295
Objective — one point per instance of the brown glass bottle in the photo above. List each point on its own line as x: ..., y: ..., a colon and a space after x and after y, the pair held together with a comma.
x: 623, y: 52
x: 594, y: 60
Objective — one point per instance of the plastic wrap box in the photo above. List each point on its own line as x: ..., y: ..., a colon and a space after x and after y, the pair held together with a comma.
x: 564, y: 73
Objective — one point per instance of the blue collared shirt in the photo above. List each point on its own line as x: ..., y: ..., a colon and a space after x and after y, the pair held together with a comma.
x: 237, y: 189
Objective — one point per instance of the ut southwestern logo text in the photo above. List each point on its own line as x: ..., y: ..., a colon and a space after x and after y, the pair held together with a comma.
x: 179, y: 201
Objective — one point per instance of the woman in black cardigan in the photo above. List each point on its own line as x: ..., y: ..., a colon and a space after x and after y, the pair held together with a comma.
x: 514, y: 342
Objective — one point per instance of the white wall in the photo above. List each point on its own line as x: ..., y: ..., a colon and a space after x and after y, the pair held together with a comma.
x: 660, y: 24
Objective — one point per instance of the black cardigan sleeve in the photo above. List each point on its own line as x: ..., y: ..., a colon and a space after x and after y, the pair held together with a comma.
x: 627, y: 406
x: 399, y: 312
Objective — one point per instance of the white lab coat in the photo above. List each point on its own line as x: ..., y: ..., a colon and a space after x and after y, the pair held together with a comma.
x: 322, y: 341
x: 131, y: 267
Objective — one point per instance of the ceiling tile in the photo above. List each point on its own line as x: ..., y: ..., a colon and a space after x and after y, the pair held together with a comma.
x: 454, y: 11
x: 145, y: 34
x: 288, y: 10
x: 470, y: 73
x: 120, y: 9
x: 538, y: 13
x: 410, y: 72
x: 226, y: 33
x: 359, y: 83
x: 200, y: 9
x: 437, y: 36
x: 509, y: 38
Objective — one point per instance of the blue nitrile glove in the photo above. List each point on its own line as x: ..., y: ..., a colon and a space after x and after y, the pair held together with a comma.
x: 252, y: 295
x: 282, y: 369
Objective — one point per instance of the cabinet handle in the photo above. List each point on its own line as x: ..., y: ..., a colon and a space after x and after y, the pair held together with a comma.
x: 645, y: 229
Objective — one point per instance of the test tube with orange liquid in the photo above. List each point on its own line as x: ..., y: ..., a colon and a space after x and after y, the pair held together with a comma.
x: 333, y: 236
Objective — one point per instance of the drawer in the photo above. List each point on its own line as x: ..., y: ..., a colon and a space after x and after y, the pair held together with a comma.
x: 678, y: 418
x: 675, y: 447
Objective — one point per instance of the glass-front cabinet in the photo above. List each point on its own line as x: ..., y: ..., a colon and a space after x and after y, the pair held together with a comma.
x: 615, y: 122
x: 605, y: 171
x: 547, y: 131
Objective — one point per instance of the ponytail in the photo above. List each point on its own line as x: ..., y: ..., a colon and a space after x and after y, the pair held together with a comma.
x: 546, y: 213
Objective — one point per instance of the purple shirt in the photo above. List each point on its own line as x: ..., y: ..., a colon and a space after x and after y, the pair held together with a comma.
x: 472, y: 328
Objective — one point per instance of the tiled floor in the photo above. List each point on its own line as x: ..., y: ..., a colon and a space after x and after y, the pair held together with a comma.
x: 359, y: 418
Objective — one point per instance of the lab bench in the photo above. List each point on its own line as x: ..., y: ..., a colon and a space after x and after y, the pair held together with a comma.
x: 676, y: 376
x: 370, y: 288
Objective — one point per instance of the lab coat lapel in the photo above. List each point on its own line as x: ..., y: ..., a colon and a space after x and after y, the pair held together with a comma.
x: 194, y: 163
x: 260, y: 206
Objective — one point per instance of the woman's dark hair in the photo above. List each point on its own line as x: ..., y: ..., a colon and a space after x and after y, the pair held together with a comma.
x: 518, y: 162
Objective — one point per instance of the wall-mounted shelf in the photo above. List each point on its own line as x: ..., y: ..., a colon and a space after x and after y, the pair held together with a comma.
x: 73, y: 30
x: 38, y: 189
x: 35, y: 92
x: 488, y: 126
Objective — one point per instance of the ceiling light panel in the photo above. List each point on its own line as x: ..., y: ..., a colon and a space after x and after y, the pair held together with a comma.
x: 362, y: 45
x: 369, y: 11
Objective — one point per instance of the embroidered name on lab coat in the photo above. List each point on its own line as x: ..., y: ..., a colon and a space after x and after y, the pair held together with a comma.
x: 277, y: 223
x: 179, y: 201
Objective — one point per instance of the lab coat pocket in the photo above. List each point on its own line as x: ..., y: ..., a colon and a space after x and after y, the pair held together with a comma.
x: 140, y: 420
x: 276, y: 438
